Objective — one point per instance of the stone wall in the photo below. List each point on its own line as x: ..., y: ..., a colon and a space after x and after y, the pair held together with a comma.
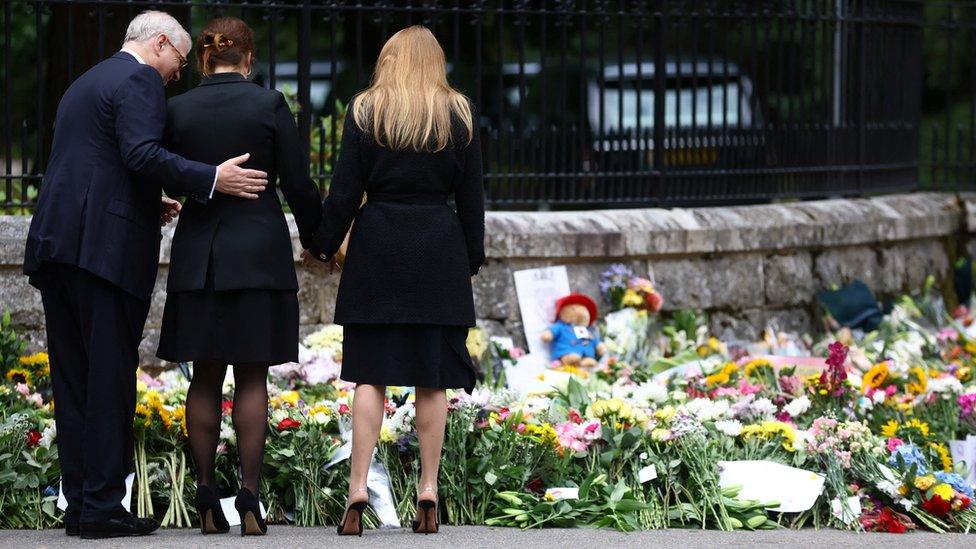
x: 748, y: 266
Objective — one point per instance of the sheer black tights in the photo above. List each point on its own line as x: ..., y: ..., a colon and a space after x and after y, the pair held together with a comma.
x: 250, y: 417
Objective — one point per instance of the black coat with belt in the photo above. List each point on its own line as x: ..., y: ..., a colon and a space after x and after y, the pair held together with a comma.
x: 227, y: 116
x: 411, y: 255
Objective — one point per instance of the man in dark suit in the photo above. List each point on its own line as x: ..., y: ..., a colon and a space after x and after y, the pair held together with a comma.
x: 93, y: 252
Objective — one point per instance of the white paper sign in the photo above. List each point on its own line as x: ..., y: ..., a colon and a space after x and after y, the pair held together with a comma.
x: 538, y: 290
x: 231, y: 514
x: 126, y: 499
x: 795, y: 489
x: 562, y: 493
x: 965, y: 451
x: 647, y: 474
x: 849, y: 515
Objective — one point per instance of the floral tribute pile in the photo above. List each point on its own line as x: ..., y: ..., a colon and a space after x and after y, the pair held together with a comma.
x: 639, y: 442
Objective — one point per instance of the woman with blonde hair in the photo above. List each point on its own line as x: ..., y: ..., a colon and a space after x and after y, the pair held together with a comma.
x: 410, y: 141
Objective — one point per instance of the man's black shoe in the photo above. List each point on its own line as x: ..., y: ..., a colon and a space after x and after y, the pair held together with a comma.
x: 117, y: 526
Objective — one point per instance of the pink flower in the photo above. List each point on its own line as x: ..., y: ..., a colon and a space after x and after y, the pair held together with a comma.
x: 516, y: 352
x: 23, y: 389
x: 947, y: 334
x: 747, y: 388
x: 503, y: 413
x: 894, y: 443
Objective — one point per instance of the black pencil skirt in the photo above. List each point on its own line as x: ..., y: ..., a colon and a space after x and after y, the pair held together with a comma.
x: 407, y: 355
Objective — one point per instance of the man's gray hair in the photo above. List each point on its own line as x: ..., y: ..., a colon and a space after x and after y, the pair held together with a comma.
x: 151, y: 23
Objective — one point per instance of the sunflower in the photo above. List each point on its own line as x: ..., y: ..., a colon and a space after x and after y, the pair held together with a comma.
x: 722, y: 376
x: 921, y: 381
x: 34, y: 360
x: 945, y: 458
x: 877, y: 375
x: 18, y: 375
x: 890, y: 429
x: 760, y: 364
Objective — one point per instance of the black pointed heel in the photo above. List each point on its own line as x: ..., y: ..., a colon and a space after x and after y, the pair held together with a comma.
x: 355, y: 510
x: 212, y: 520
x: 427, y: 511
x: 252, y: 524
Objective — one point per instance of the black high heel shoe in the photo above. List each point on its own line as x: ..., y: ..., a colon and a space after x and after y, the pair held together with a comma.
x: 212, y: 520
x: 427, y: 513
x: 353, y: 512
x: 252, y: 524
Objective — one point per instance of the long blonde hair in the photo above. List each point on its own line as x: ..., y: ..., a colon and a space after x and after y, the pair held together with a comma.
x: 409, y: 102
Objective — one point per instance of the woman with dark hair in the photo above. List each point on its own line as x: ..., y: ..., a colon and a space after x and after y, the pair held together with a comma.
x: 232, y: 288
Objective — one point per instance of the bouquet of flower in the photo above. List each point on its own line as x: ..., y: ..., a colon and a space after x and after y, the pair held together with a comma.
x: 622, y: 289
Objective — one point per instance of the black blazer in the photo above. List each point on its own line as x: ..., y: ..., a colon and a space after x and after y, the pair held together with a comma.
x: 227, y: 116
x: 411, y: 256
x: 99, y: 204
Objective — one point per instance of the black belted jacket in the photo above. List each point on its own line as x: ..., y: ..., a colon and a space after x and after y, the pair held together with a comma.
x: 411, y: 255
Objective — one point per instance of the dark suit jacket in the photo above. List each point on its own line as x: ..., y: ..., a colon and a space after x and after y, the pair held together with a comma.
x: 411, y: 256
x: 227, y: 116
x: 99, y: 203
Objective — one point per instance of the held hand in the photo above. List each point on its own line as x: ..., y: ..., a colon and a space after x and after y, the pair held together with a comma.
x: 234, y: 180
x: 307, y: 256
x: 170, y: 209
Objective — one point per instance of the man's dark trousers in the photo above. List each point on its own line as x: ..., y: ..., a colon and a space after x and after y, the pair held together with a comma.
x: 93, y: 330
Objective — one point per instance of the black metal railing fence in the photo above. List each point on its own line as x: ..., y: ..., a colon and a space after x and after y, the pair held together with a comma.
x: 584, y: 103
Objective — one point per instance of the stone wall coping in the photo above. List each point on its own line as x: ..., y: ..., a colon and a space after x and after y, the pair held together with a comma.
x: 650, y: 232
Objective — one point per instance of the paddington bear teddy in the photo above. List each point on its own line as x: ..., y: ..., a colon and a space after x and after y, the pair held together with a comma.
x: 572, y: 341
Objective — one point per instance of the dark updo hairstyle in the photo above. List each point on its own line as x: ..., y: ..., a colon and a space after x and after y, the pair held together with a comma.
x: 227, y: 41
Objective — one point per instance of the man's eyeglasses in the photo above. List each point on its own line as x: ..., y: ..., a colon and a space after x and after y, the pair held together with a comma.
x: 179, y: 56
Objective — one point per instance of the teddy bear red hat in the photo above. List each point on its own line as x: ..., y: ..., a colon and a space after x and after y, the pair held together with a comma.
x: 577, y: 299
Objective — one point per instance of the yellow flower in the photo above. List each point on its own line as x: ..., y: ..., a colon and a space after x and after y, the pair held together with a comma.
x: 570, y: 369
x: 874, y: 377
x: 476, y: 342
x: 945, y: 458
x: 18, y: 375
x: 944, y: 491
x: 631, y: 299
x: 964, y: 374
x: 386, y: 434
x: 903, y: 489
x: 970, y: 347
x: 722, y: 376
x: 34, y: 360
x: 921, y: 382
x: 760, y: 364
x: 714, y: 344
x: 769, y: 430
x: 179, y: 416
x: 166, y: 416
x: 144, y: 411
x: 920, y: 426
x: 291, y: 397
x: 549, y: 496
x: 153, y: 400
x: 665, y: 413
x: 924, y: 483
x: 890, y: 429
